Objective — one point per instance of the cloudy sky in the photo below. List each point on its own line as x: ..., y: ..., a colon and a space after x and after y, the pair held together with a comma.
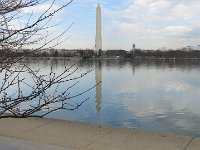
x: 150, y: 24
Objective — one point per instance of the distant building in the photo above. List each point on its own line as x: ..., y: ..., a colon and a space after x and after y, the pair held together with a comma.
x: 115, y: 53
x: 69, y: 53
x: 189, y: 48
x: 133, y: 47
x: 86, y: 53
x: 132, y: 51
x: 51, y: 51
x: 196, y: 48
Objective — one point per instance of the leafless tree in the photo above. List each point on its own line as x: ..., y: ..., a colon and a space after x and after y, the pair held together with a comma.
x: 15, y: 35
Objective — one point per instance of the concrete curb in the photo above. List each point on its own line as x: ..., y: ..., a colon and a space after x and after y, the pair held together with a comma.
x: 81, y: 136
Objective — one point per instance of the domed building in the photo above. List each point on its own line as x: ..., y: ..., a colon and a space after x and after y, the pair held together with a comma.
x: 133, y: 47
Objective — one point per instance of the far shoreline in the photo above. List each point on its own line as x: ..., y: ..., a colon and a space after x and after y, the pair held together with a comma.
x: 111, y: 58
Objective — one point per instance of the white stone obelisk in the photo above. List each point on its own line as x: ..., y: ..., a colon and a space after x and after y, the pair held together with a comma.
x: 98, y: 39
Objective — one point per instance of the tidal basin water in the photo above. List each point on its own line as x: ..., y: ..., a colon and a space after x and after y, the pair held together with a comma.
x: 150, y: 95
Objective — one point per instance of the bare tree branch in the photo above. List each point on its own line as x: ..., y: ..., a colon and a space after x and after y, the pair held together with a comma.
x: 14, y: 35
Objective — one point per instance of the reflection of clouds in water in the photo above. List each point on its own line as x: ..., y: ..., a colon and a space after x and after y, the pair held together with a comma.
x: 158, y: 96
x: 176, y: 86
x: 141, y: 106
x: 186, y: 124
x: 170, y: 118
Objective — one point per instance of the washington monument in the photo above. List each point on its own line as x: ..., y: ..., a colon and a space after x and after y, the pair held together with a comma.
x: 98, y: 39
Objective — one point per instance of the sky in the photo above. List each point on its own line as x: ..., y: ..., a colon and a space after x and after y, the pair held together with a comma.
x: 149, y: 24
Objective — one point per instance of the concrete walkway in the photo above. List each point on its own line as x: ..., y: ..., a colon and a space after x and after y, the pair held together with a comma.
x: 7, y: 143
x: 36, y: 134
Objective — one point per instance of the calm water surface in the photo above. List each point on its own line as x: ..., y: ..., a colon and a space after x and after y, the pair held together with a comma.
x: 152, y: 95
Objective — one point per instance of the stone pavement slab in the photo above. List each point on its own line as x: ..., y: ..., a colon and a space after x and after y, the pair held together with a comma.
x: 82, y: 136
x: 12, y: 126
x: 7, y: 143
x: 62, y: 133
x: 138, y: 140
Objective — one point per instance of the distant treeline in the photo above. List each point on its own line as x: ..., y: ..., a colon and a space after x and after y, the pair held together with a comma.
x: 167, y: 54
x: 47, y: 53
x: 88, y: 53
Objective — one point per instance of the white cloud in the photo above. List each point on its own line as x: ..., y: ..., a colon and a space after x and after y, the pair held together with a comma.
x: 177, y: 30
x: 40, y: 8
x: 165, y: 20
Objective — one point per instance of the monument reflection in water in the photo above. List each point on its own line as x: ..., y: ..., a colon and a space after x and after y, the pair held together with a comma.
x: 98, y: 78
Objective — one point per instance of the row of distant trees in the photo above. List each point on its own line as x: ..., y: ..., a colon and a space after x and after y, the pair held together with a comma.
x: 51, y: 53
x: 167, y: 54
x: 88, y: 53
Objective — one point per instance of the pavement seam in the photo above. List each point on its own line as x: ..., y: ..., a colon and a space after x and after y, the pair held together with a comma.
x: 98, y: 139
x: 26, y: 131
x: 189, y: 142
x: 42, y: 125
